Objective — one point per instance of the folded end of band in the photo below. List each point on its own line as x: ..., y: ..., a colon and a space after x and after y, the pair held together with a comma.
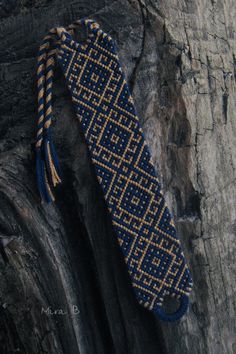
x: 171, y: 317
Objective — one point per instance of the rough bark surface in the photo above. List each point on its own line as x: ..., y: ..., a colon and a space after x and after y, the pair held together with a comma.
x: 180, y: 61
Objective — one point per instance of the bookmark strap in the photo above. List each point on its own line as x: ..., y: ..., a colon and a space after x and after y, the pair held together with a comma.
x: 105, y: 108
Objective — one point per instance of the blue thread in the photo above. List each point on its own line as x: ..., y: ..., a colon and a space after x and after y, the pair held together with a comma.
x: 41, y: 177
x: 171, y: 317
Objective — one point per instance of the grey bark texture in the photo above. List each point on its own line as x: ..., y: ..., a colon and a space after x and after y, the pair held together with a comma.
x: 179, y: 58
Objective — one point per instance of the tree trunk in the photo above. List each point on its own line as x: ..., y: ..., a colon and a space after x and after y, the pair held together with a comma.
x: 64, y: 287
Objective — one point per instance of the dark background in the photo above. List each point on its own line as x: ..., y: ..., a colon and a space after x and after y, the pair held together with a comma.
x: 179, y: 59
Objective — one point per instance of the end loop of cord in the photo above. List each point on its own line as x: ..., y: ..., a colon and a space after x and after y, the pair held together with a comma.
x: 171, y: 317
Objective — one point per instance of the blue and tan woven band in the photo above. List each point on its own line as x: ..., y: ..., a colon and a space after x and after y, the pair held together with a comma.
x: 121, y: 158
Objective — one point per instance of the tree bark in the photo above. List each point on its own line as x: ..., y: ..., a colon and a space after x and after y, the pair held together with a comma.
x: 180, y: 62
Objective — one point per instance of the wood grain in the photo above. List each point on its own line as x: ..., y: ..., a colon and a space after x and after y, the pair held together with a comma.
x: 179, y: 58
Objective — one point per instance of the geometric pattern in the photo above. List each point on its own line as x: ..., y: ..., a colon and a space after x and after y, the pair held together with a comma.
x: 124, y: 168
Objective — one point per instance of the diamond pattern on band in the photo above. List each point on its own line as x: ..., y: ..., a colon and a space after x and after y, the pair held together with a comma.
x: 140, y: 216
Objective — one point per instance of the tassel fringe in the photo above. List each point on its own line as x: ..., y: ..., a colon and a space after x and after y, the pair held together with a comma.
x: 42, y: 180
x: 52, y: 165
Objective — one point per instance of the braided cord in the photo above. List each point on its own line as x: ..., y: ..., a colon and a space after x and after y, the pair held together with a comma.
x: 47, y: 166
x: 49, y: 150
x: 42, y: 58
x: 43, y: 183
